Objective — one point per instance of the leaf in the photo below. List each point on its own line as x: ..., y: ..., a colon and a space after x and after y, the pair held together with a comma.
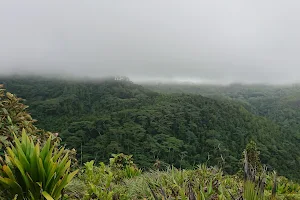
x: 8, y: 172
x: 47, y: 196
x: 63, y: 183
x: 9, y: 119
x: 9, y: 95
x: 45, y: 149
x: 5, y: 111
x: 8, y: 183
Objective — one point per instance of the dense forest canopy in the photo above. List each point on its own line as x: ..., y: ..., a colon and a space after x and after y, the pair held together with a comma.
x: 179, y: 125
x: 279, y: 103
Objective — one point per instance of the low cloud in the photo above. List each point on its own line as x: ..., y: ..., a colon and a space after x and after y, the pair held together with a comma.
x: 219, y: 41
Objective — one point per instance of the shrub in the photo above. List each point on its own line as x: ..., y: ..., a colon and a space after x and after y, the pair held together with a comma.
x: 123, y: 167
x: 31, y: 173
x: 98, y: 181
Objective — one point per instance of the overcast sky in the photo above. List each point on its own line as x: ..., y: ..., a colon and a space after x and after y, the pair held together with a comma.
x: 211, y: 40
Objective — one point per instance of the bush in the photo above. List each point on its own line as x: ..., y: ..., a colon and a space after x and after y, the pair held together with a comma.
x: 31, y: 173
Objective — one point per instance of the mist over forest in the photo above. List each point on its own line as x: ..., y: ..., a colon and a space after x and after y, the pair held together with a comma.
x: 128, y: 100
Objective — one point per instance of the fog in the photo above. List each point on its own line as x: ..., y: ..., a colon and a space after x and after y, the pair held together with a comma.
x: 209, y: 41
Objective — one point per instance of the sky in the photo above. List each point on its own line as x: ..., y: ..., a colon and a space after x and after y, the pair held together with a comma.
x: 250, y: 41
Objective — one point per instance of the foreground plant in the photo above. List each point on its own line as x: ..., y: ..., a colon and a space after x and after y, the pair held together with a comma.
x: 123, y: 167
x: 102, y: 180
x: 254, y: 174
x: 29, y: 172
x: 14, y: 118
x: 98, y: 181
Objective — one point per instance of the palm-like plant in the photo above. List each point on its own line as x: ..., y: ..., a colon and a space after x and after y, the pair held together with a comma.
x: 33, y: 173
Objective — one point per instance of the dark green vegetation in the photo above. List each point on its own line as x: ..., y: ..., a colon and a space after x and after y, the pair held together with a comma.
x: 101, y: 118
x: 281, y: 104
x: 121, y: 179
x: 33, y: 165
x: 37, y: 167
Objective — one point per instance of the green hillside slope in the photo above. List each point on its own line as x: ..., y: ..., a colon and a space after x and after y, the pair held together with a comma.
x: 105, y: 117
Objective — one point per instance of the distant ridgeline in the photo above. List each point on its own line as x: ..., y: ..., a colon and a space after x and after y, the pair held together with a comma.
x: 101, y: 117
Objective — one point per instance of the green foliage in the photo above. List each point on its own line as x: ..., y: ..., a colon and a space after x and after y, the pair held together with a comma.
x: 101, y: 181
x: 251, y: 191
x: 14, y: 118
x: 253, y: 156
x: 107, y: 117
x: 33, y: 173
x: 98, y: 181
x: 279, y: 103
x: 13, y: 115
x: 123, y: 167
x: 100, y: 118
x: 175, y: 129
x: 254, y: 174
x: 121, y: 160
x: 201, y: 183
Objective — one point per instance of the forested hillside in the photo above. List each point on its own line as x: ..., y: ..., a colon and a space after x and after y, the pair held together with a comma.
x: 281, y: 104
x: 99, y: 118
